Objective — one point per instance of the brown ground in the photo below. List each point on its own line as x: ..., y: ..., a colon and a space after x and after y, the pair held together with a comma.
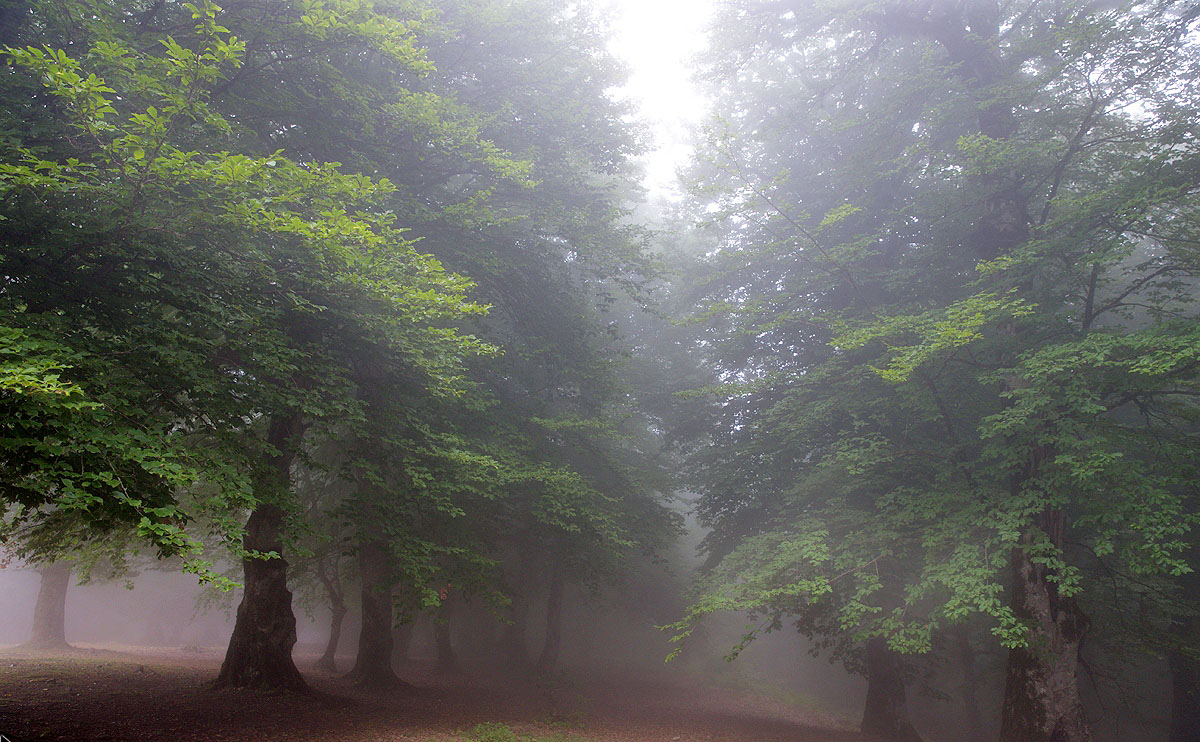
x: 143, y: 694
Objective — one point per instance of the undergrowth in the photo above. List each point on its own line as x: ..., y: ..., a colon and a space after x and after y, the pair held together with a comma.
x: 493, y: 731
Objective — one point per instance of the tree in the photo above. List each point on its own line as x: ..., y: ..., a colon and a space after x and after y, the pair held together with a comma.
x: 951, y: 317
x: 251, y: 348
x: 50, y: 611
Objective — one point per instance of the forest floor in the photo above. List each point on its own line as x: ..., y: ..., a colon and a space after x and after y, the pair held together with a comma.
x: 105, y: 692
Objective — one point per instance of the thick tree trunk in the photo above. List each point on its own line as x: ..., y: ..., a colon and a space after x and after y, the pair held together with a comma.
x: 260, y: 649
x: 886, y: 712
x: 1041, y: 692
x: 50, y: 611
x: 447, y: 659
x: 337, y: 607
x: 1185, y: 701
x: 1185, y: 671
x: 548, y: 659
x: 373, y: 665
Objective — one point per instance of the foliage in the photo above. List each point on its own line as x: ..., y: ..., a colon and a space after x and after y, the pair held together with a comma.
x: 951, y: 315
x: 198, y: 288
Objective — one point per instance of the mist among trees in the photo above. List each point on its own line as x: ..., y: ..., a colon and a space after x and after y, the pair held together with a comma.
x: 357, y: 313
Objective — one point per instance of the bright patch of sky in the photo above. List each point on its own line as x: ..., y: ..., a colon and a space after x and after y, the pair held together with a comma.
x: 658, y: 39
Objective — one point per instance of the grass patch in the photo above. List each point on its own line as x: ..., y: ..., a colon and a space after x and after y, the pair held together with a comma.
x: 493, y: 731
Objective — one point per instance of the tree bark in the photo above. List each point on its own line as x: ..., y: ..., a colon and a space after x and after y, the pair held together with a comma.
x: 401, y: 641
x: 514, y: 648
x: 50, y: 611
x: 548, y: 659
x: 337, y: 607
x: 328, y: 660
x: 1185, y: 701
x: 970, y: 687
x: 373, y: 665
x: 260, y: 649
x: 1041, y: 691
x: 447, y: 659
x: 886, y: 712
x: 1185, y: 668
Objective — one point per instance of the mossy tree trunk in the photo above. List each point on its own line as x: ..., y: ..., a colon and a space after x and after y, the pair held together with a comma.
x: 260, y: 649
x: 1041, y: 690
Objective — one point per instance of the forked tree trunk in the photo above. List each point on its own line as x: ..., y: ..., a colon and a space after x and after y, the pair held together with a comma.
x: 1041, y: 691
x: 337, y: 607
x: 50, y: 611
x: 447, y: 659
x: 548, y: 659
x: 328, y: 660
x: 260, y: 649
x: 373, y: 664
x: 886, y: 712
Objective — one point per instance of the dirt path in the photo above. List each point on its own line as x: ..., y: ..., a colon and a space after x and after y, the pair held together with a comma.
x: 141, y: 694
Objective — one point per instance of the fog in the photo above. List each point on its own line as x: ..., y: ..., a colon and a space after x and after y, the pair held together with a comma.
x: 622, y: 370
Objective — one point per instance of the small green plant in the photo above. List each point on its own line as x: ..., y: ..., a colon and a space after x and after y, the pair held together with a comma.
x: 492, y: 731
x: 558, y: 737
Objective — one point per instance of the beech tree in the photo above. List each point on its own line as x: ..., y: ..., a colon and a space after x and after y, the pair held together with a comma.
x: 950, y: 322
x: 213, y: 299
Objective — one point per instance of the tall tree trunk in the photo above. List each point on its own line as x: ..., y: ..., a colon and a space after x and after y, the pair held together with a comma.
x: 1041, y: 691
x: 373, y: 665
x: 1185, y: 701
x: 328, y: 660
x: 50, y: 611
x: 1185, y: 669
x: 515, y: 651
x: 447, y: 659
x: 886, y: 712
x: 548, y: 659
x: 260, y: 649
x: 401, y: 642
x: 970, y: 686
x: 337, y: 607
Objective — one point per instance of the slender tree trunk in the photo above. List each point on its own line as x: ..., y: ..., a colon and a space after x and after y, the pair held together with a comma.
x: 514, y: 648
x: 401, y: 642
x: 373, y: 665
x: 1041, y: 691
x: 548, y: 659
x: 886, y: 712
x: 447, y: 659
x: 970, y: 686
x: 50, y: 611
x: 337, y: 606
x: 260, y: 649
x: 328, y: 661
